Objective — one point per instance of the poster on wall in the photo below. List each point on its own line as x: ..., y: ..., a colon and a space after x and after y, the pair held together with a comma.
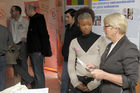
x: 48, y: 9
x: 129, y: 8
x: 76, y: 4
x: 3, y: 13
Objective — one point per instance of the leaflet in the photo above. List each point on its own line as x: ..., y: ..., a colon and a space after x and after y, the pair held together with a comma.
x: 84, y: 65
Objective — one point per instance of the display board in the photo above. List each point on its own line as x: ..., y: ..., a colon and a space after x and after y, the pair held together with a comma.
x: 129, y: 8
x: 76, y: 4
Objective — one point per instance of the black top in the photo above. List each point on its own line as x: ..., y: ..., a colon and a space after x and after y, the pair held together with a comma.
x: 70, y: 33
x: 37, y: 36
x: 86, y: 41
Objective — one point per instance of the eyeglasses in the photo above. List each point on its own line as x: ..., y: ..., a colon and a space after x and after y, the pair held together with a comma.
x: 105, y: 27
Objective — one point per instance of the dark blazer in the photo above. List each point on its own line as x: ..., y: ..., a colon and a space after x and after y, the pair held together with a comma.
x: 122, y: 60
x: 37, y: 36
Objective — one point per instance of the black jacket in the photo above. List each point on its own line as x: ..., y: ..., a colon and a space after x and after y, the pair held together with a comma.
x: 70, y: 33
x: 37, y: 36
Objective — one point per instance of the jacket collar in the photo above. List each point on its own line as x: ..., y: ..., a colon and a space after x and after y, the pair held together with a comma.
x: 118, y: 45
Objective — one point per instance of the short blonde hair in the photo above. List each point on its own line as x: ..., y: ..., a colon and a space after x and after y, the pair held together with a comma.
x: 117, y: 20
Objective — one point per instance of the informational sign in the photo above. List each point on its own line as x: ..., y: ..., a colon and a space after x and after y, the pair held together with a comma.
x: 129, y: 8
x: 76, y: 4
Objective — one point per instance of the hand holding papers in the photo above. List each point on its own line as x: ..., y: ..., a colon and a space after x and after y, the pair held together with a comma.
x: 84, y: 65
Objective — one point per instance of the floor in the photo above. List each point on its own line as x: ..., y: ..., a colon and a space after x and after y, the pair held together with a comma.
x: 51, y: 82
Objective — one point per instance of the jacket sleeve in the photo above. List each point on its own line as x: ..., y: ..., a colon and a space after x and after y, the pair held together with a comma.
x: 44, y: 36
x: 130, y: 64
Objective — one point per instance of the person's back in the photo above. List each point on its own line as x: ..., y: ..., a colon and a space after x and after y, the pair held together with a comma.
x: 36, y: 34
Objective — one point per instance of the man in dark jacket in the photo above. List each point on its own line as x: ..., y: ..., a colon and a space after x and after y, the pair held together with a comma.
x: 38, y: 44
x: 72, y: 31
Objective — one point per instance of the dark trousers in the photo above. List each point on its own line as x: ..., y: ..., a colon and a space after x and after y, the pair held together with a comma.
x: 85, y: 80
x: 65, y: 78
x: 2, y: 72
x: 37, y: 66
x: 21, y: 67
x: 76, y: 90
x: 65, y: 85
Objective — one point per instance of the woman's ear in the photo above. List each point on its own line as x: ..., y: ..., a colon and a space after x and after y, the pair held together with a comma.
x: 117, y: 30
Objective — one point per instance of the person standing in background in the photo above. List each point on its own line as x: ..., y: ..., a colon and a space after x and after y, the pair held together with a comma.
x: 38, y: 44
x: 18, y: 26
x: 6, y: 41
x: 72, y: 31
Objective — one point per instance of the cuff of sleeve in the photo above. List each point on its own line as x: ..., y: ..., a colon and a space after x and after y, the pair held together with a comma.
x: 124, y: 82
x: 93, y: 84
x: 76, y: 84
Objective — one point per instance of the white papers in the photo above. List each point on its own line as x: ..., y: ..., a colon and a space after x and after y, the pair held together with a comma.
x: 41, y: 90
x: 13, y: 89
x: 82, y: 63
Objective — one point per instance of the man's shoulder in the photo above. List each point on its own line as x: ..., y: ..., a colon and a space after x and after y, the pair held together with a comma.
x: 23, y: 18
x: 39, y: 15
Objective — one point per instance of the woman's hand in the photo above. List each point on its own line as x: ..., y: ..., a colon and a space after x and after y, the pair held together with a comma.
x: 83, y: 88
x: 114, y: 78
x: 98, y: 74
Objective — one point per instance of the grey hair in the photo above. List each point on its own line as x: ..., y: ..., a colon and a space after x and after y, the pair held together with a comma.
x: 32, y: 6
x: 84, y: 16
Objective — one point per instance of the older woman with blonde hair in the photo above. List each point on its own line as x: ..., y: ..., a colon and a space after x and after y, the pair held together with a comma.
x: 119, y: 63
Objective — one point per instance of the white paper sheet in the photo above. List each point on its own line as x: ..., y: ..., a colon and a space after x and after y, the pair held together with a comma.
x: 42, y: 90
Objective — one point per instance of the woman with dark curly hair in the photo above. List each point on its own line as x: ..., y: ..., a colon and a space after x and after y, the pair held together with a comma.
x: 88, y: 48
